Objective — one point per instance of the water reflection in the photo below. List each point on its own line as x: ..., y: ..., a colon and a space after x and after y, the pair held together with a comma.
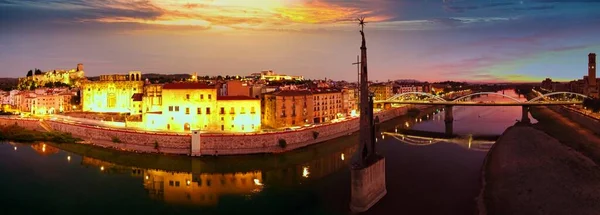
x: 468, y: 143
x: 43, y: 149
x: 200, y: 188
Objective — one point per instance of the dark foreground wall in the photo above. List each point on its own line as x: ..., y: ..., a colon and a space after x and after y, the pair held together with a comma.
x: 528, y: 172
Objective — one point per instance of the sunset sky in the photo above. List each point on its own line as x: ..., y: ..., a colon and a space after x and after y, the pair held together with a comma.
x: 428, y: 40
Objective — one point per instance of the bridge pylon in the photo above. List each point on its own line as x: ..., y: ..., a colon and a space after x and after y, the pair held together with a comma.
x: 525, y: 114
x: 449, y: 119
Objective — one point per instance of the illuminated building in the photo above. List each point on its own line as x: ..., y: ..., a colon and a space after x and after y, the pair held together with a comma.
x: 47, y: 104
x: 234, y: 88
x: 382, y: 91
x: 72, y: 77
x: 348, y: 100
x: 410, y: 88
x: 327, y: 105
x: 152, y: 98
x: 112, y: 93
x: 196, y: 106
x: 288, y: 108
x: 67, y: 101
x: 136, y: 103
x: 269, y: 75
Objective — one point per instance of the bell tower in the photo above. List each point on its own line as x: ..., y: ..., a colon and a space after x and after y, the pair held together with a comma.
x: 592, y: 86
x: 592, y: 68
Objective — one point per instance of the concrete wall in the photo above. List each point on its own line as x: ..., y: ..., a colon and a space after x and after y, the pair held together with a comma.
x: 587, y: 122
x: 211, y: 144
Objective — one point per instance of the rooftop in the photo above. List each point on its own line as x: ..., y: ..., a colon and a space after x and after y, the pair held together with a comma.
x: 137, y: 97
x: 291, y: 93
x: 187, y: 85
x: 235, y: 98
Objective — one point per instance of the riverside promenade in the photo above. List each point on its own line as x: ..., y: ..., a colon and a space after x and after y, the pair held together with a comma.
x: 211, y: 144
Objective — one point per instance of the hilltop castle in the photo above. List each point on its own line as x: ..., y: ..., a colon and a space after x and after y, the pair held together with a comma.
x: 72, y: 77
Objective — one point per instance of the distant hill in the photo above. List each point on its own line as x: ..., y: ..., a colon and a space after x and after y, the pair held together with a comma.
x: 7, y: 84
x: 407, y: 81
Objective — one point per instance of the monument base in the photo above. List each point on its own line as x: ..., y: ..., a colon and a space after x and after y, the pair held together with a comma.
x: 368, y: 186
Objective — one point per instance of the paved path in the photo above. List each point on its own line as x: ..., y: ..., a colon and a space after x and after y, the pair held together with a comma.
x: 568, y: 132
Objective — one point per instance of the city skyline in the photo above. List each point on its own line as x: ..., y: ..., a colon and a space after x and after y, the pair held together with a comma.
x: 480, y: 41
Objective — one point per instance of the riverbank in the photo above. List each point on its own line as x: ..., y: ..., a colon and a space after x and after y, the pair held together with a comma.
x: 20, y: 134
x: 530, y: 172
x: 211, y: 144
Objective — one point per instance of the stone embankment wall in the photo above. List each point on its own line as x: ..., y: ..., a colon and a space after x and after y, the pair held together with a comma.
x: 211, y: 144
x: 590, y: 123
x: 30, y: 124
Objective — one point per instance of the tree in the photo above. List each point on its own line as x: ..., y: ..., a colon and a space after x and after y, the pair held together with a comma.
x: 30, y: 73
x: 38, y: 72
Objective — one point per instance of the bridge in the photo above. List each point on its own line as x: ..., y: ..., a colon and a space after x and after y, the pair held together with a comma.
x: 421, y: 98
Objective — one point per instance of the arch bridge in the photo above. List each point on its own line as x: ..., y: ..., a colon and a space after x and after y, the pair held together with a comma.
x: 420, y: 98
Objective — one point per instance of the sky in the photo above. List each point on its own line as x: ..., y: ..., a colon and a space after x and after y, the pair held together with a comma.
x: 427, y: 40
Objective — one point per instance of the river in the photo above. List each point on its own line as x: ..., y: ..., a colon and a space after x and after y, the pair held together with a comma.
x: 437, y: 178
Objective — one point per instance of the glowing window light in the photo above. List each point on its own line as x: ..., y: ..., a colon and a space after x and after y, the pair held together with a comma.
x: 69, y: 158
x: 15, y: 148
x: 147, y: 177
x: 102, y: 168
x: 305, y: 172
x: 342, y: 156
x: 188, y: 182
x: 257, y: 182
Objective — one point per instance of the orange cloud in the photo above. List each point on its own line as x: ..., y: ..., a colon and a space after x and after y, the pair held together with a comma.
x: 236, y: 14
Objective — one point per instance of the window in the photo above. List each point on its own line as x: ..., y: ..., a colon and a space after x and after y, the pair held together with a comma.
x: 177, y: 184
x: 207, y: 110
x: 199, y: 111
x: 201, y: 96
x: 222, y: 118
x: 209, y: 96
x: 232, y: 126
x: 170, y: 108
x: 252, y: 126
x: 222, y: 110
x: 171, y: 183
x: 187, y: 96
x: 232, y: 110
x: 176, y: 108
x: 242, y: 111
x: 252, y: 110
x: 242, y: 127
x: 222, y: 127
x: 187, y: 110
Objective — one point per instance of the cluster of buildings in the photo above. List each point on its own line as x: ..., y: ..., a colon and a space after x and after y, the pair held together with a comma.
x: 588, y: 86
x: 249, y: 104
x: 41, y: 100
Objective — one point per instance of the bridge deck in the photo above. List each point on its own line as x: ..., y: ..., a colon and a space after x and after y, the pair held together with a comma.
x: 478, y: 103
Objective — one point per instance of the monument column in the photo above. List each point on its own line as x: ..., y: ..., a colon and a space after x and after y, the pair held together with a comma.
x: 368, y: 169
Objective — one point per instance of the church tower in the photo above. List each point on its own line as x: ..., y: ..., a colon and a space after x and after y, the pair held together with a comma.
x: 592, y: 68
x: 592, y: 86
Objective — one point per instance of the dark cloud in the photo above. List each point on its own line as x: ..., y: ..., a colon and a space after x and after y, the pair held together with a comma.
x: 14, y: 14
